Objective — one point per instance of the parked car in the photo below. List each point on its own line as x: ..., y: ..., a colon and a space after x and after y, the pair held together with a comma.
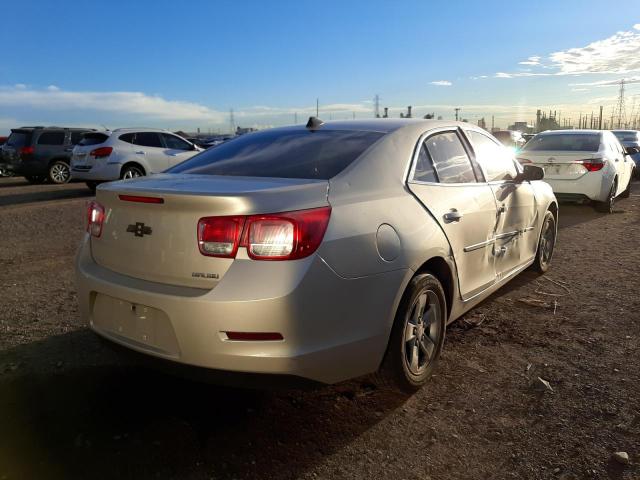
x: 510, y: 138
x: 41, y: 153
x: 324, y: 252
x: 3, y: 171
x: 582, y: 165
x: 127, y: 153
x: 630, y: 139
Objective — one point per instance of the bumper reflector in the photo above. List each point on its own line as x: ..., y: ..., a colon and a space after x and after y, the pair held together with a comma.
x: 254, y: 336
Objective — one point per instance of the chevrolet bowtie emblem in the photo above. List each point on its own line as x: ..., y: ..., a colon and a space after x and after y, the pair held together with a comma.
x: 139, y: 229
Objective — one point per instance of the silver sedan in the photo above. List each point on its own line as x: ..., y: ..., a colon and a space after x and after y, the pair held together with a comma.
x: 325, y: 251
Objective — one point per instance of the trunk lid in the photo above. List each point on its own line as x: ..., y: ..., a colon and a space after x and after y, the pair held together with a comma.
x: 165, y: 248
x: 80, y: 157
x: 559, y: 165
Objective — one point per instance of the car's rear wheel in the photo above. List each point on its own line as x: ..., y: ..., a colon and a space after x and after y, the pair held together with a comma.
x: 417, y: 336
x: 131, y: 171
x: 35, y: 179
x: 627, y: 191
x: 546, y: 243
x: 59, y: 172
x: 607, y: 205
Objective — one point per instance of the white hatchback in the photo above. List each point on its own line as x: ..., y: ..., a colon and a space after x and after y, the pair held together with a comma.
x: 127, y: 153
x: 582, y: 165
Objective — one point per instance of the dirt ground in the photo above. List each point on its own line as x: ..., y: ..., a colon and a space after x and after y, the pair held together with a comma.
x: 71, y: 408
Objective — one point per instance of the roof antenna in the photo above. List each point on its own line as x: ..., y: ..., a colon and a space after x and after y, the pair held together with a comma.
x: 314, y: 122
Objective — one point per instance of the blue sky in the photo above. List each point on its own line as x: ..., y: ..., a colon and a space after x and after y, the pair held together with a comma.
x: 185, y: 64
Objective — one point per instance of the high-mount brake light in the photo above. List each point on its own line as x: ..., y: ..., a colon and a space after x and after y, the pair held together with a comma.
x: 95, y: 218
x: 254, y: 336
x: 140, y: 199
x: 101, y: 152
x: 592, y: 164
x: 277, y: 236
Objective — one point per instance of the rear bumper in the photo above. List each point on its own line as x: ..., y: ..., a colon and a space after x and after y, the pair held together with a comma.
x: 592, y: 186
x: 27, y: 168
x: 98, y: 172
x: 333, y: 328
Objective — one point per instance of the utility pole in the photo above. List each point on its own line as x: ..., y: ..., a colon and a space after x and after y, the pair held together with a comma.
x: 376, y: 106
x: 317, y: 107
x: 457, y: 109
x: 232, y: 122
x: 295, y: 118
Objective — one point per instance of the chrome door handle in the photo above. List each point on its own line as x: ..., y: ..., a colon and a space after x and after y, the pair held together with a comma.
x: 452, y: 216
x: 140, y: 152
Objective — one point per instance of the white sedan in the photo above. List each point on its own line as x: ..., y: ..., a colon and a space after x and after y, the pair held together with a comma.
x: 582, y: 165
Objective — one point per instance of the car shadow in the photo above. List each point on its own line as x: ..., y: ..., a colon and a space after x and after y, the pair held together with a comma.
x: 44, y: 196
x: 82, y: 413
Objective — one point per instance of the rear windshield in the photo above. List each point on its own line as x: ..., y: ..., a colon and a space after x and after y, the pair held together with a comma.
x: 570, y: 142
x: 93, y: 139
x: 282, y: 153
x: 627, y: 136
x: 18, y: 139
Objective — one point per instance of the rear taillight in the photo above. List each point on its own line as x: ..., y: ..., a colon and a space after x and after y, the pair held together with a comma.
x: 285, y: 236
x: 95, y: 218
x: 220, y: 236
x: 25, y: 152
x: 279, y: 236
x: 593, y: 164
x: 101, y: 152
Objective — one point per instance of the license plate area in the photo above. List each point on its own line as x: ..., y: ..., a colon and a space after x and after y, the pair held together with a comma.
x: 140, y: 326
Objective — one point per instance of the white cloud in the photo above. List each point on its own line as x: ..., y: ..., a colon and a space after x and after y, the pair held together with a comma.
x: 608, y: 83
x: 535, y: 60
x: 579, y: 89
x: 442, y: 83
x: 136, y: 104
x: 619, y: 53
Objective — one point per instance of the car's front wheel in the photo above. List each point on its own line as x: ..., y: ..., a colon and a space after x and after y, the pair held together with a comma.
x: 59, y: 172
x: 417, y: 336
x: 546, y: 243
x: 131, y: 171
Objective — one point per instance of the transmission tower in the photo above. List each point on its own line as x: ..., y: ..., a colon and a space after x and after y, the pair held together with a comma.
x: 620, y: 108
x: 376, y: 106
x: 232, y: 122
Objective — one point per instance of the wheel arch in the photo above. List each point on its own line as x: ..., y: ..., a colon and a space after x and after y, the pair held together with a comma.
x: 438, y: 267
x: 132, y: 163
x: 66, y: 160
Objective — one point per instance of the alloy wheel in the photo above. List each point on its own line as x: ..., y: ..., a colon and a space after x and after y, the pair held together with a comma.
x: 422, y: 332
x: 547, y: 242
x: 131, y: 173
x: 59, y: 172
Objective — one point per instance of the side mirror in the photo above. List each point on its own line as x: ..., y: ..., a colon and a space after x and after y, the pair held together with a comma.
x: 531, y: 173
x: 631, y: 150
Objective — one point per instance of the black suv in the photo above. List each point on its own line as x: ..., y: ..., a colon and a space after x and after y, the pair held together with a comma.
x: 41, y: 153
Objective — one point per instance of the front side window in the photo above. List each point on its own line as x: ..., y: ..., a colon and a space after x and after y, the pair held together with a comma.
x: 449, y: 159
x: 51, y: 138
x: 494, y: 158
x: 148, y: 139
x: 175, y: 143
x: 283, y: 153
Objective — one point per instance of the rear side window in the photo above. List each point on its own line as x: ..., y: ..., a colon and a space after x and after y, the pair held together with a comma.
x: 495, y: 159
x: 18, y: 139
x: 627, y: 136
x: 283, y: 153
x: 449, y: 160
x: 127, y: 137
x: 570, y: 142
x: 148, y: 139
x: 93, y: 139
x: 51, y: 138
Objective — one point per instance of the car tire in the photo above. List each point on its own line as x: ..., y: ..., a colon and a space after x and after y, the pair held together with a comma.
x: 546, y: 243
x: 35, y: 179
x: 92, y: 186
x: 131, y: 171
x: 417, y: 336
x: 607, y: 205
x: 59, y: 172
x: 627, y: 191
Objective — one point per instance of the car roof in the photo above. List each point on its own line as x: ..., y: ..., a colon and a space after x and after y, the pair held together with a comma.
x: 140, y: 129
x: 381, y: 125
